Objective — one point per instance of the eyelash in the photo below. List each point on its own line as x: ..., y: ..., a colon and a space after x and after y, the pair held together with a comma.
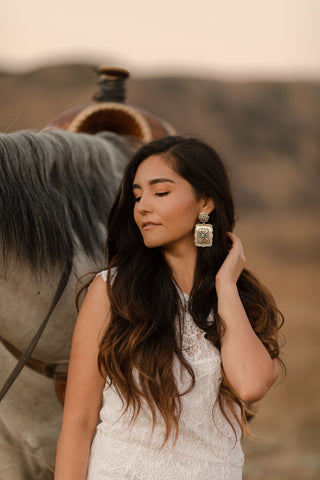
x: 160, y: 194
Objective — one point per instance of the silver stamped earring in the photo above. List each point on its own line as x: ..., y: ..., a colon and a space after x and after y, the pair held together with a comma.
x: 203, y: 232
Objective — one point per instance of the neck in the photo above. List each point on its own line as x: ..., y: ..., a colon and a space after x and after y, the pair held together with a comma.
x: 182, y: 262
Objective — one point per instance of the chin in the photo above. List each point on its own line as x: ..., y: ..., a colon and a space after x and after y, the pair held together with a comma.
x: 151, y: 241
x: 150, y: 244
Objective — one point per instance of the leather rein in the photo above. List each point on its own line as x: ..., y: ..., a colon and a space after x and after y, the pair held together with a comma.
x: 52, y: 370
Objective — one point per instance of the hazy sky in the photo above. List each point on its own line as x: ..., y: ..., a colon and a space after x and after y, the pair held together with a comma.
x: 274, y: 38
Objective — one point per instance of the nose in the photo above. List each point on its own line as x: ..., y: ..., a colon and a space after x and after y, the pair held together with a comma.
x: 145, y: 204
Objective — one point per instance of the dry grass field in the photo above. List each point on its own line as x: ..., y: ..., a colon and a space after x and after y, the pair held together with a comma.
x: 284, y: 251
x: 270, y: 135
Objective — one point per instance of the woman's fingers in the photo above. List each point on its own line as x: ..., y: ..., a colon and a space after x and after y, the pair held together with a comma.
x: 236, y: 244
x: 234, y: 263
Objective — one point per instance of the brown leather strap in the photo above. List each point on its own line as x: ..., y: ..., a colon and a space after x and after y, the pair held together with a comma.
x: 23, y: 359
x: 51, y: 370
x: 61, y: 383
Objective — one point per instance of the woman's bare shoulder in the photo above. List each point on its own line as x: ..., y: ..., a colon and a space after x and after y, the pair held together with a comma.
x: 96, y: 306
x: 85, y: 383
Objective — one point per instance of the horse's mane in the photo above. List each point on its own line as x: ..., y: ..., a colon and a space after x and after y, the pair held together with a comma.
x: 56, y: 190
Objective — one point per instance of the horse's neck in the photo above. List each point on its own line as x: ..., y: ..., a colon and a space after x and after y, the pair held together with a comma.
x: 25, y: 301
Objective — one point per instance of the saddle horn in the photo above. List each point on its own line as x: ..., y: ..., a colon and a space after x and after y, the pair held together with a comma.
x: 111, y: 113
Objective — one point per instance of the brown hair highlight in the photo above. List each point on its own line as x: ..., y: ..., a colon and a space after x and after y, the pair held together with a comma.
x: 144, y: 335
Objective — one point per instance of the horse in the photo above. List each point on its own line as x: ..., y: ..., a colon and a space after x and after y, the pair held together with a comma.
x: 56, y: 190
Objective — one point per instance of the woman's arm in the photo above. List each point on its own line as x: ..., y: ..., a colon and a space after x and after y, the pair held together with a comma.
x: 84, y: 386
x: 246, y: 362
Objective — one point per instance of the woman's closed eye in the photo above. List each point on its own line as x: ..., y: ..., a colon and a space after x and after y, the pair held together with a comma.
x: 162, y: 194
x: 157, y: 194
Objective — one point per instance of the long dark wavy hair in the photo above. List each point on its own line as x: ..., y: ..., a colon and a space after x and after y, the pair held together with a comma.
x: 138, y: 349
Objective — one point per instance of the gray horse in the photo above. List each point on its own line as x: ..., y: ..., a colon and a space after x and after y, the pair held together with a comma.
x: 56, y: 189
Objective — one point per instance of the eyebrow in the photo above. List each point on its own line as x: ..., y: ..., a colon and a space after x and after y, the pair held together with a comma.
x: 154, y: 181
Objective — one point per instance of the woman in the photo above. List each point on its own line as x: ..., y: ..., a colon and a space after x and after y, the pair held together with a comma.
x: 183, y: 334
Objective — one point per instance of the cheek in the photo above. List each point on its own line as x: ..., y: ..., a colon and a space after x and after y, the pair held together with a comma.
x: 191, y: 209
x: 183, y: 214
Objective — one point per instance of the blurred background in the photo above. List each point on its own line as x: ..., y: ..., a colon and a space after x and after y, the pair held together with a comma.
x: 244, y: 76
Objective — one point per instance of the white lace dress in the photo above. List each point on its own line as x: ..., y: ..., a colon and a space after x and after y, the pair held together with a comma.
x: 206, y: 448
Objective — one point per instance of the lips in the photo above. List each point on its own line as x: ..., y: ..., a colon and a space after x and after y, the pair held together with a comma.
x: 147, y: 225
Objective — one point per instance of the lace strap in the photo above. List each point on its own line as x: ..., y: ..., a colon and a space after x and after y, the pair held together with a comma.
x: 103, y: 274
